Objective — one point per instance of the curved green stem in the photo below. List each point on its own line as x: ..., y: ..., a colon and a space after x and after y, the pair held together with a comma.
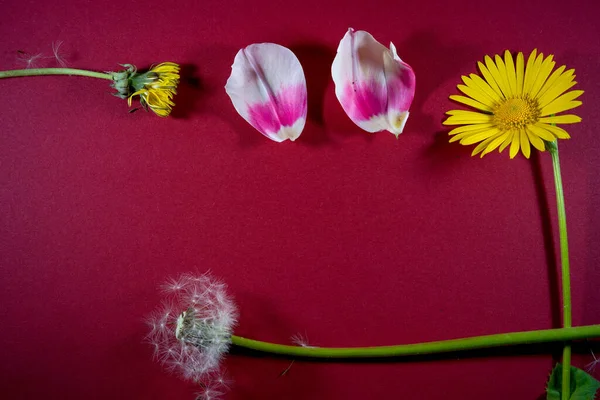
x: 53, y: 71
x: 564, y: 262
x: 444, y: 346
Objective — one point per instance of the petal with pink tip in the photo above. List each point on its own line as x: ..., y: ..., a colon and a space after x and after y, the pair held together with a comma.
x: 268, y: 89
x: 374, y: 86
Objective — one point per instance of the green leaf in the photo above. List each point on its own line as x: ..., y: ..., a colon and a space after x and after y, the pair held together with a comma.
x: 583, y: 386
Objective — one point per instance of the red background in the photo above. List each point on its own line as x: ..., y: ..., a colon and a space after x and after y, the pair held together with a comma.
x: 349, y: 238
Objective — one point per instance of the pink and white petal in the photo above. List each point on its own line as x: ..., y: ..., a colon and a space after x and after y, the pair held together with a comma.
x: 268, y: 89
x: 374, y: 86
x: 360, y: 84
x: 400, y: 83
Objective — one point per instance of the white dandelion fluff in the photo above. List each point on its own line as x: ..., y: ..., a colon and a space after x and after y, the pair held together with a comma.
x: 29, y: 60
x: 592, y: 366
x: 212, y: 390
x: 191, y: 331
x: 301, y: 340
x: 57, y: 54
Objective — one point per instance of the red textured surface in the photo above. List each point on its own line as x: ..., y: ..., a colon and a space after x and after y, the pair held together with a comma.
x: 353, y: 239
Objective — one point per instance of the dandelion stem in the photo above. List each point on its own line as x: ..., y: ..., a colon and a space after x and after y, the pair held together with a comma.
x: 444, y: 346
x: 53, y: 71
x: 564, y: 261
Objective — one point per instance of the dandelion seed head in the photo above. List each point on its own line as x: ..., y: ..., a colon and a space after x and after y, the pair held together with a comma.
x: 191, y: 332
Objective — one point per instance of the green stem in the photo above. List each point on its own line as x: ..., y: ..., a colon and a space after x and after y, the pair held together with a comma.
x: 53, y: 71
x: 564, y: 262
x: 444, y: 346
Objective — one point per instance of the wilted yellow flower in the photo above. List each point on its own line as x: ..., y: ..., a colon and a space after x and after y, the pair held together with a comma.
x: 516, y: 104
x: 156, y: 87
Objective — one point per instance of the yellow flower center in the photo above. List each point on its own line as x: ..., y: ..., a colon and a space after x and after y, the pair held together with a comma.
x: 516, y: 113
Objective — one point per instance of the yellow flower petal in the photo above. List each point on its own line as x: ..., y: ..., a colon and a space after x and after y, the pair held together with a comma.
x: 535, y: 140
x: 490, y: 80
x: 503, y: 74
x: 562, y: 103
x: 457, y: 112
x: 543, y: 73
x: 480, y: 136
x: 462, y: 135
x: 528, y: 79
x: 466, y: 128
x: 137, y: 93
x: 484, y: 145
x: 561, y: 119
x: 498, y: 77
x: 553, y: 78
x: 496, y: 141
x: 560, y: 107
x: 462, y: 119
x: 476, y: 94
x: 485, y: 87
x: 510, y: 72
x: 525, y: 148
x: 520, y: 73
x: 167, y: 65
x: 479, y: 148
x: 539, y: 130
x: 514, y: 145
x: 470, y: 102
x: 557, y: 131
x: 507, y: 140
x: 562, y: 84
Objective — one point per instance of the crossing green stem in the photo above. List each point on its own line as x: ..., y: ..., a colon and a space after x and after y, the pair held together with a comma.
x: 564, y: 262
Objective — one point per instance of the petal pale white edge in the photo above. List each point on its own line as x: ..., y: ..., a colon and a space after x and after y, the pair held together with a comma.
x: 288, y: 132
x: 396, y: 119
x: 348, y: 69
x: 260, y: 71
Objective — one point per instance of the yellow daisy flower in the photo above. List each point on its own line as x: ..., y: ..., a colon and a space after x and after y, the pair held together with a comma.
x: 516, y: 104
x: 156, y: 88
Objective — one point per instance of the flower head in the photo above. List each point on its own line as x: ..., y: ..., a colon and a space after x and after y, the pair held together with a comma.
x: 192, y: 330
x: 155, y: 87
x: 374, y: 86
x: 516, y: 104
